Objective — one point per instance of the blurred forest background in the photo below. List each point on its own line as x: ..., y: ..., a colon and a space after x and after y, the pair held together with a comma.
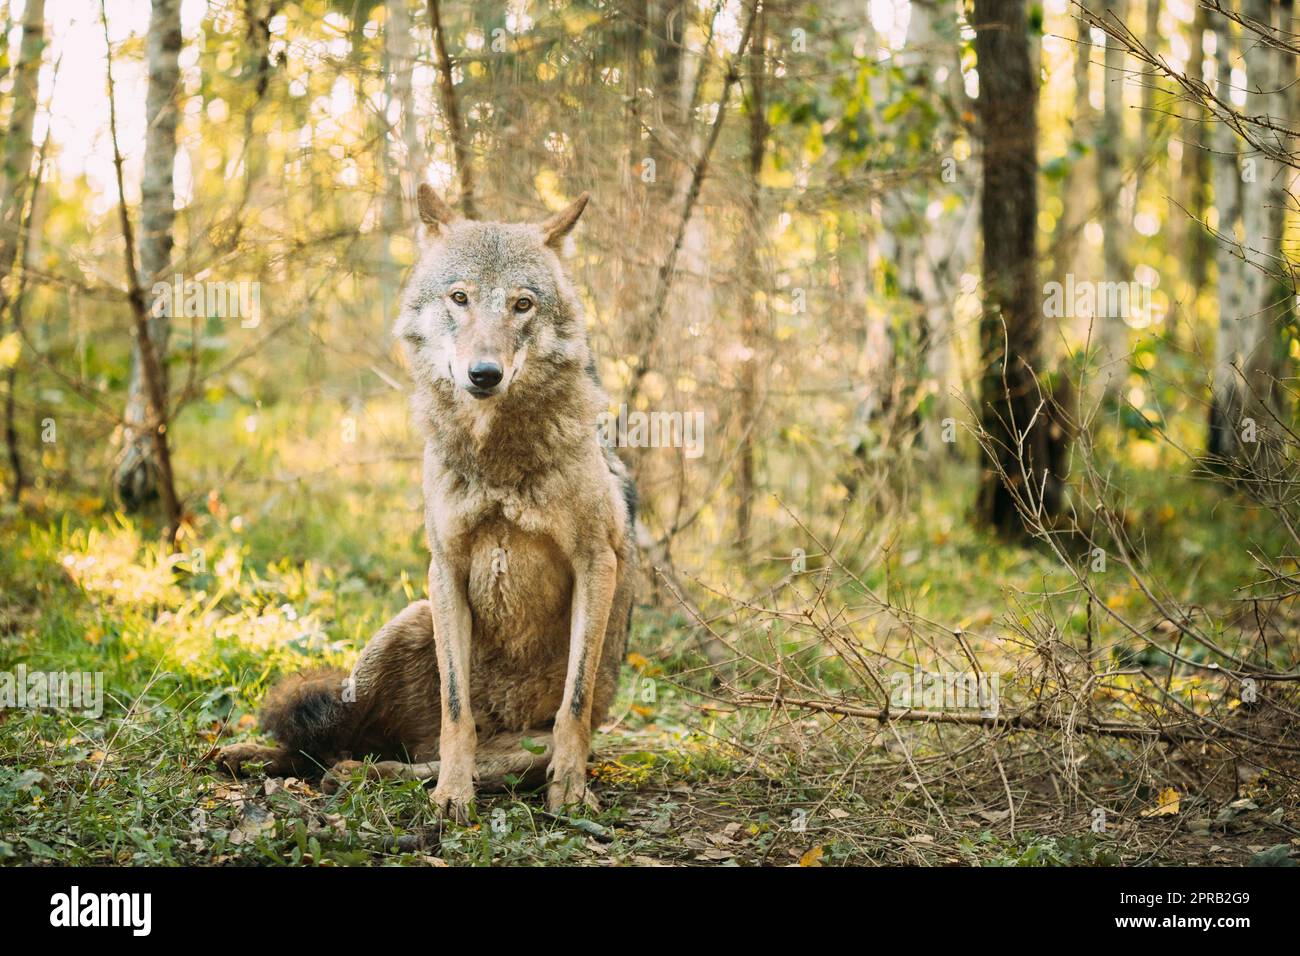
x: 988, y: 310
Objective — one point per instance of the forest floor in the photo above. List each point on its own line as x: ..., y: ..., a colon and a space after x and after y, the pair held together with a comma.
x: 187, y: 649
x: 675, y: 786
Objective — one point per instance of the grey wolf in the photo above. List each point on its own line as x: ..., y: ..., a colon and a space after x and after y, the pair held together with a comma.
x: 529, y: 523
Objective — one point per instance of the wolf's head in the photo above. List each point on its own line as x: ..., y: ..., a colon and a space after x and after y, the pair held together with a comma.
x: 487, y: 300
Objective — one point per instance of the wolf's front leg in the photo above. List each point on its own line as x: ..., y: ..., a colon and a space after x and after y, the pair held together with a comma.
x: 452, y: 625
x: 593, y: 593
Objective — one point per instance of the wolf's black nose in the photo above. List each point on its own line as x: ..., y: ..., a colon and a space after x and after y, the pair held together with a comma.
x: 485, y: 374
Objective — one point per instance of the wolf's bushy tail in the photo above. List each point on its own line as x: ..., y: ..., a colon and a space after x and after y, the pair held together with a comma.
x: 307, y: 715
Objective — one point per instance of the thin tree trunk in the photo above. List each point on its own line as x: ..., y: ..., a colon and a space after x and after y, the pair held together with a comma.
x: 647, y: 331
x: 1010, y: 327
x: 870, y: 244
x: 1225, y: 405
x: 401, y: 57
x: 695, y: 294
x: 942, y: 247
x: 670, y: 36
x: 1251, y: 300
x: 902, y: 240
x: 257, y: 70
x: 1263, y: 205
x: 15, y: 176
x: 637, y: 212
x: 145, y: 468
x: 1280, y: 182
x: 1195, y: 166
x: 30, y: 244
x: 1110, y: 331
x: 1148, y: 122
x: 752, y: 297
x: 1075, y: 213
x: 451, y: 113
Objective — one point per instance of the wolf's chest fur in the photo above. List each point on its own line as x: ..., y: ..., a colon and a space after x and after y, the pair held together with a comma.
x: 520, y: 588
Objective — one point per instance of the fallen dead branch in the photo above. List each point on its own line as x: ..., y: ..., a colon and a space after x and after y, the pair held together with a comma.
x: 1013, y: 721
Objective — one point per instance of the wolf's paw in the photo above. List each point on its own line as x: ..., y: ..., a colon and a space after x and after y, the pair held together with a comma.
x: 233, y: 757
x: 568, y: 786
x: 452, y: 801
x: 338, y: 776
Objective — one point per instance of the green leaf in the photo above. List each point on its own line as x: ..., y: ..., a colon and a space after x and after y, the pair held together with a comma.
x: 1279, y: 855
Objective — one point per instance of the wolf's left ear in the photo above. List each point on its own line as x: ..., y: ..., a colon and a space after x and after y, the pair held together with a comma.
x: 434, y: 213
x: 558, y: 226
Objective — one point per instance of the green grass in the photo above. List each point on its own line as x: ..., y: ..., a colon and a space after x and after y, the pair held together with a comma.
x: 301, y: 567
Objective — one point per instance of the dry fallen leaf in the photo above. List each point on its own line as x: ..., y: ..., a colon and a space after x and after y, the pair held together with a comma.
x: 813, y: 857
x: 1166, y: 804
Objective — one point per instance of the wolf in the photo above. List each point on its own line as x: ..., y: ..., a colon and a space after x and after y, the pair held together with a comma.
x: 529, y: 519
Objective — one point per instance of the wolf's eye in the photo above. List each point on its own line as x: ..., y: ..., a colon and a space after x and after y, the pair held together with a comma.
x: 459, y: 297
x: 523, y: 304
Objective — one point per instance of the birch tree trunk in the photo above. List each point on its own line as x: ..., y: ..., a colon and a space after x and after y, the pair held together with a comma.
x: 136, y: 477
x: 1252, y: 303
x: 15, y: 176
x: 1225, y: 404
x: 928, y: 254
x: 1281, y: 185
x: 948, y: 246
x: 1263, y: 212
x: 16, y: 172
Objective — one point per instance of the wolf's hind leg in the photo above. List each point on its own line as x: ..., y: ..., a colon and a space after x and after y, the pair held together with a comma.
x: 344, y: 771
x: 505, y: 756
x: 499, y: 762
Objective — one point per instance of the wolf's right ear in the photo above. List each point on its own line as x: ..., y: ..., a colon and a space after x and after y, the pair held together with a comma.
x: 434, y: 213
